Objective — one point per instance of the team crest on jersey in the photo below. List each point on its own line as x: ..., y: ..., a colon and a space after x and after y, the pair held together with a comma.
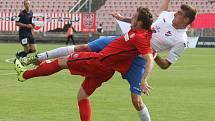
x: 126, y: 37
x: 132, y: 35
x: 75, y: 55
x: 168, y: 33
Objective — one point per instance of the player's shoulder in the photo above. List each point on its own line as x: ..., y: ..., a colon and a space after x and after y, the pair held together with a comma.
x: 144, y: 33
x: 136, y: 35
x: 140, y: 35
x: 31, y: 12
x: 22, y: 12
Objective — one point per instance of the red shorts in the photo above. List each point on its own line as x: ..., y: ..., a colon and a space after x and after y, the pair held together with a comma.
x: 87, y: 64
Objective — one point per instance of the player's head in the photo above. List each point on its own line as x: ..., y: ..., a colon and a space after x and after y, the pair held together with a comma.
x: 27, y: 4
x: 185, y: 16
x: 142, y: 18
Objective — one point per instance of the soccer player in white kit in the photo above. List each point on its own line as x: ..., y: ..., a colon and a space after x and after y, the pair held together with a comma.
x: 169, y: 34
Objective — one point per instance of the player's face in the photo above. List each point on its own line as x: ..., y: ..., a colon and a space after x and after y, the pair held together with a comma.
x: 27, y: 4
x: 180, y: 18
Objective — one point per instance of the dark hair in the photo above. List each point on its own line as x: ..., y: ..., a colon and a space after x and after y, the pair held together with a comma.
x: 25, y: 1
x: 145, y: 16
x: 190, y: 12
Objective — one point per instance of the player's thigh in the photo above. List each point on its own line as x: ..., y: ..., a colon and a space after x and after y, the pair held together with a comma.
x: 62, y: 61
x: 90, y: 84
x: 28, y: 43
x: 134, y: 75
x: 31, y: 40
x: 24, y: 40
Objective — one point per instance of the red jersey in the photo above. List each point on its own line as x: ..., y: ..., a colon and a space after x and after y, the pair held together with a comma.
x: 120, y: 53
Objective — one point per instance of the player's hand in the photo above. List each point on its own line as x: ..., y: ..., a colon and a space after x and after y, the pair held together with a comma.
x: 29, y: 26
x: 144, y: 86
x: 154, y: 54
x: 117, y: 16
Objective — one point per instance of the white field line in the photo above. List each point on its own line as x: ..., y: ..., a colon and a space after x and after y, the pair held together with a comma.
x: 10, y: 60
x: 6, y: 74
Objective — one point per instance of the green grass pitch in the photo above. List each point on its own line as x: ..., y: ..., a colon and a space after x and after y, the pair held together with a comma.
x: 185, y: 92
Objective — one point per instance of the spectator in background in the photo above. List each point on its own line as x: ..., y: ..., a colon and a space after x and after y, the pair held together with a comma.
x: 24, y: 21
x: 100, y: 29
x: 70, y: 33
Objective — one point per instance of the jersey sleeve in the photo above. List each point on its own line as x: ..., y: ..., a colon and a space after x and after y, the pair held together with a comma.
x: 20, y: 18
x: 142, y: 43
x: 176, y: 52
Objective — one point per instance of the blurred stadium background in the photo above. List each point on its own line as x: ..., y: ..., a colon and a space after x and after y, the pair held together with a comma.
x: 185, y: 92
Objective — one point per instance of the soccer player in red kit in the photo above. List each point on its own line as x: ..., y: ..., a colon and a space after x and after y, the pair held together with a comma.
x: 100, y: 67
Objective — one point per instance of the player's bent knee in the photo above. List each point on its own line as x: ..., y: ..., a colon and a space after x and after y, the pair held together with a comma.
x: 81, y: 94
x: 63, y: 62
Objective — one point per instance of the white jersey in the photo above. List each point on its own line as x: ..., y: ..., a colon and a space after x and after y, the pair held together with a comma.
x: 166, y: 38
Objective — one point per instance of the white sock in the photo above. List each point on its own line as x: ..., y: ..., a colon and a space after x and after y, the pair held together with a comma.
x: 58, y: 52
x: 144, y: 114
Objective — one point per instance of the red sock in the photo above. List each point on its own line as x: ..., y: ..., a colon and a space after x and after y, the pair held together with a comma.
x: 84, y: 109
x: 43, y: 69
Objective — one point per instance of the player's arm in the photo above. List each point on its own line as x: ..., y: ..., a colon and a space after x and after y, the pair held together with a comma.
x: 173, y: 56
x: 20, y: 24
x: 24, y: 25
x: 163, y: 7
x: 121, y: 18
x: 142, y: 43
x: 95, y: 46
x: 162, y: 63
x: 148, y: 68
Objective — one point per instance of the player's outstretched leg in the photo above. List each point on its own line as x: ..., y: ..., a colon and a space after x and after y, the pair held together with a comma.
x: 44, y: 69
x: 51, y: 54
